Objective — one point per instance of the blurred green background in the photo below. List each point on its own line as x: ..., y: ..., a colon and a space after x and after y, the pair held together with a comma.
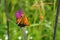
x: 41, y: 15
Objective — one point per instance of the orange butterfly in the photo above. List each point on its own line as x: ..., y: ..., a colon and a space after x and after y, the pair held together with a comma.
x: 22, y: 21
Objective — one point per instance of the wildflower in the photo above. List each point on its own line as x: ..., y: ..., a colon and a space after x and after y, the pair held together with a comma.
x: 6, y: 37
x: 19, y: 37
x: 26, y: 31
x: 0, y: 39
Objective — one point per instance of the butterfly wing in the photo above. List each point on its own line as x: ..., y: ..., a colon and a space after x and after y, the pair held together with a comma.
x: 26, y: 21
x: 22, y: 21
x: 18, y: 20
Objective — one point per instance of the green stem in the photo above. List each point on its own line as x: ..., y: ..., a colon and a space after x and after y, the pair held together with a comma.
x: 24, y: 33
x: 6, y: 10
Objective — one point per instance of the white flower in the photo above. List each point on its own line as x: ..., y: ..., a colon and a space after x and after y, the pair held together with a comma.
x: 26, y: 32
x: 0, y: 39
x: 20, y: 37
x: 6, y: 37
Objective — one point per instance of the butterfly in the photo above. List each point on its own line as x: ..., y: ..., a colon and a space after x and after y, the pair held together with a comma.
x: 22, y: 20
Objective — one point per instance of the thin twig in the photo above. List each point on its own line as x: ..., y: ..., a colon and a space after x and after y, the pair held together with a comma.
x: 6, y: 10
x: 56, y: 20
x: 24, y: 33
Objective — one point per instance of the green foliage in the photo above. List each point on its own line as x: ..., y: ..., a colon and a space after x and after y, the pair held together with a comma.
x: 39, y: 29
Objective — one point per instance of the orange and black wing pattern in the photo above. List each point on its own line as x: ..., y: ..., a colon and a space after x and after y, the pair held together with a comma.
x: 18, y: 20
x: 26, y: 21
x: 22, y: 21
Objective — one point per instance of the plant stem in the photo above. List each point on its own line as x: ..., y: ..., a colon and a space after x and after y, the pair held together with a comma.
x: 24, y: 33
x: 6, y: 10
x: 56, y: 20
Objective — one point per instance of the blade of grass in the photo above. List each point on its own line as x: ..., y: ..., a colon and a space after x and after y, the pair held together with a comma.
x: 56, y: 20
x: 7, y: 21
x: 24, y: 33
